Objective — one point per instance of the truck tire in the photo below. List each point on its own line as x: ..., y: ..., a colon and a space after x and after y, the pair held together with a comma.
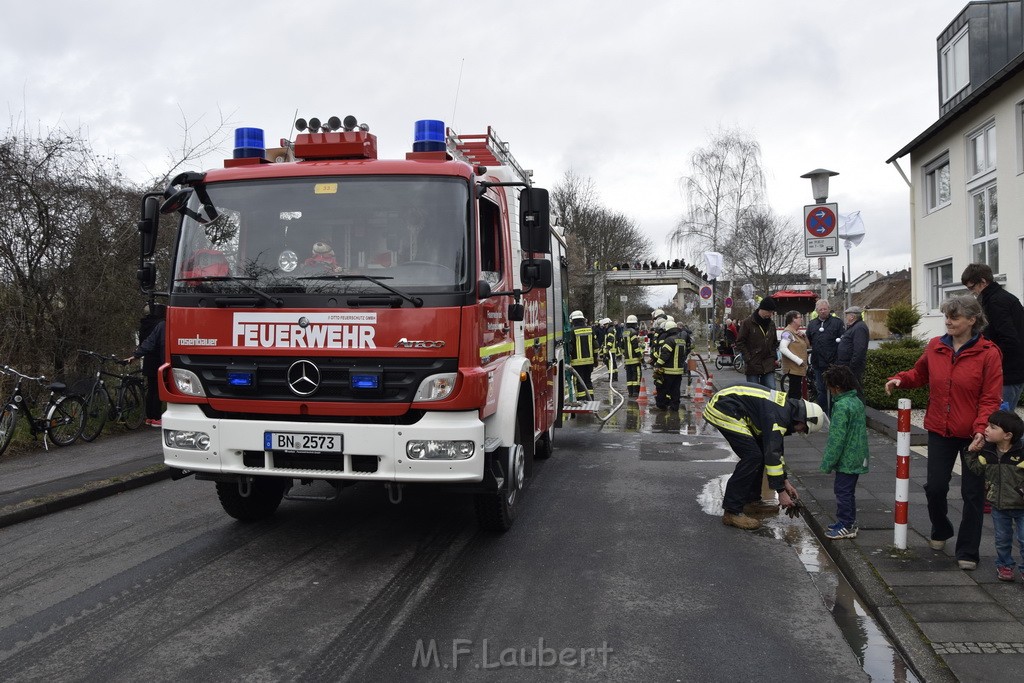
x: 497, y: 511
x: 545, y: 444
x: 265, y: 494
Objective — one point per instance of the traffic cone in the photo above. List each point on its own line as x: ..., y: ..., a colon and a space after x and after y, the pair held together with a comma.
x: 698, y: 393
x: 642, y: 398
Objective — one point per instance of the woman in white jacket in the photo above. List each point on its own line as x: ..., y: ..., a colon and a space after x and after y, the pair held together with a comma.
x: 794, y: 354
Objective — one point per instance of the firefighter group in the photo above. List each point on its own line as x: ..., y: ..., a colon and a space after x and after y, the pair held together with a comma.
x: 626, y: 347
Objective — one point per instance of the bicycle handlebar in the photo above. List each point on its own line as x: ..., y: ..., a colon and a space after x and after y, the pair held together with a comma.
x: 103, y: 358
x: 11, y: 371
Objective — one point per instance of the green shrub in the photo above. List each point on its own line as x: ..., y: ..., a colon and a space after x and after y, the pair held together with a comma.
x: 883, y: 363
x: 902, y: 318
x: 904, y: 343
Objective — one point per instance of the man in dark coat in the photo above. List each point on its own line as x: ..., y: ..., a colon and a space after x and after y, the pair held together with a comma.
x: 151, y: 350
x: 1005, y: 326
x: 759, y: 344
x: 853, y: 344
x: 823, y: 332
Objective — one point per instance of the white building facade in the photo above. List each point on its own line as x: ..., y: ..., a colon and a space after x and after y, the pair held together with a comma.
x: 967, y: 169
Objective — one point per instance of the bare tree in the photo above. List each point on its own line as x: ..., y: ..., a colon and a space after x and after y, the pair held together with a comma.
x: 597, y: 237
x: 726, y: 182
x: 764, y: 249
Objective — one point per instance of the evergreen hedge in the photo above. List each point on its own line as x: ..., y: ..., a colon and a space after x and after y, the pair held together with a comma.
x: 883, y: 363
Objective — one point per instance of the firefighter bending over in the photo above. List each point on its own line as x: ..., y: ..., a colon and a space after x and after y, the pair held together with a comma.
x: 581, y: 350
x: 754, y: 419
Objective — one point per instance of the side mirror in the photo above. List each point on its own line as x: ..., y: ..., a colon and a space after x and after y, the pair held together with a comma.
x: 146, y: 275
x: 534, y: 220
x: 536, y: 273
x: 483, y: 289
x: 177, y: 201
x: 148, y: 224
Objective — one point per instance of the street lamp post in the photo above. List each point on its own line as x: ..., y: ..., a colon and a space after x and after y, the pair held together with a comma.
x: 819, y: 190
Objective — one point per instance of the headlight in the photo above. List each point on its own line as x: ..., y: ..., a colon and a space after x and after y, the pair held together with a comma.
x: 193, y: 441
x: 436, y: 387
x: 440, y: 450
x: 188, y: 383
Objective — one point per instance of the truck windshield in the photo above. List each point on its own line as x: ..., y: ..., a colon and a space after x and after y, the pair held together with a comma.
x: 301, y: 234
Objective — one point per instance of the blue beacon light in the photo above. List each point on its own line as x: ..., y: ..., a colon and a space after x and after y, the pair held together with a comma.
x: 249, y: 143
x: 428, y: 136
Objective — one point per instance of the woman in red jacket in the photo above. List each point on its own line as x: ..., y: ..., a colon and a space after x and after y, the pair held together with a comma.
x: 964, y: 374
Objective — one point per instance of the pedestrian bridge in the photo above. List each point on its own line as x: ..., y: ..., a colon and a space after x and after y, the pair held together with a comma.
x: 683, y: 278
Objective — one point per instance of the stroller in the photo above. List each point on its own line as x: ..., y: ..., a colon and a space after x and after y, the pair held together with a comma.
x: 728, y: 357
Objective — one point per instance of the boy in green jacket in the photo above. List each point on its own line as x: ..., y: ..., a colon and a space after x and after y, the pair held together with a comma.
x: 846, y: 452
x: 999, y: 457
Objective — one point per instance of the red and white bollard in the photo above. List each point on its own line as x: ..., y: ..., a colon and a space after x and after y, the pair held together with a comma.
x: 900, y: 514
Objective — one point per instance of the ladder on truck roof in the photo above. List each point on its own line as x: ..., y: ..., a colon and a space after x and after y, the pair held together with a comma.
x: 485, y: 149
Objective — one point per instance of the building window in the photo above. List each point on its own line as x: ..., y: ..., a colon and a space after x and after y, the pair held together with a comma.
x: 955, y: 74
x: 981, y: 150
x: 936, y: 184
x: 985, y: 227
x: 940, y: 277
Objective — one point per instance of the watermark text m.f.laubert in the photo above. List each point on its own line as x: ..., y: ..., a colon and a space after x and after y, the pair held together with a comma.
x: 487, y: 654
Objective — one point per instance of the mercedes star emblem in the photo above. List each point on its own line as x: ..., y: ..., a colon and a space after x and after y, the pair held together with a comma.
x: 303, y: 378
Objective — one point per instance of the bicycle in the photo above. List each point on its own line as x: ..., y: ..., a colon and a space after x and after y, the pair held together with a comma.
x: 127, y: 407
x: 61, y: 420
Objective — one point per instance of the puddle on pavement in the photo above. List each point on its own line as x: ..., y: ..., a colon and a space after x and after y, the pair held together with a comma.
x: 878, y: 657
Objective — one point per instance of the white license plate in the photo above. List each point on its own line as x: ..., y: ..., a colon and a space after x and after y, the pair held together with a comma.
x: 301, y: 442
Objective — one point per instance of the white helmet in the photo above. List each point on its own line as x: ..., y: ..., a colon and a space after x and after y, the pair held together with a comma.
x: 656, y: 313
x: 631, y: 320
x: 670, y: 325
x: 576, y: 315
x: 605, y: 321
x: 815, y: 417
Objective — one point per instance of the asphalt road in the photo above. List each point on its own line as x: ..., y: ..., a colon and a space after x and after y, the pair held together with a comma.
x: 618, y: 569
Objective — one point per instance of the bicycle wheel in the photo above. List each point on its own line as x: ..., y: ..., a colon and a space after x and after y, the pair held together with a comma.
x: 66, y: 420
x: 96, y: 412
x: 133, y: 410
x: 8, y: 419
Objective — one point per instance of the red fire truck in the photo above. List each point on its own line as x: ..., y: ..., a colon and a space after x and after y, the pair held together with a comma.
x: 335, y: 317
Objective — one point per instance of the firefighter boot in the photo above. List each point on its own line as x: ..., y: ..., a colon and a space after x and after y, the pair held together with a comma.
x: 740, y: 521
x: 761, y: 507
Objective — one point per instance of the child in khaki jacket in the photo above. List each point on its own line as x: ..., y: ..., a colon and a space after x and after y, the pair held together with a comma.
x: 999, y: 457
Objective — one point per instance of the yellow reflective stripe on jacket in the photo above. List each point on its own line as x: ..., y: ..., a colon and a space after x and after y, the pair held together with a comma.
x: 720, y: 419
x: 775, y: 470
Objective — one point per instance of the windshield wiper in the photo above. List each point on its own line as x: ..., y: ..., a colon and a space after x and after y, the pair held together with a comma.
x: 414, y: 300
x: 237, y: 280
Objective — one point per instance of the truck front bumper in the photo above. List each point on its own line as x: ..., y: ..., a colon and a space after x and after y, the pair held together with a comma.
x: 369, y: 452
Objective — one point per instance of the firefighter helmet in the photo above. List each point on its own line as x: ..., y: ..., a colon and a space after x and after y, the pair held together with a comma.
x: 657, y: 313
x: 576, y: 315
x: 605, y: 321
x: 814, y: 417
x: 631, y: 320
x: 670, y: 325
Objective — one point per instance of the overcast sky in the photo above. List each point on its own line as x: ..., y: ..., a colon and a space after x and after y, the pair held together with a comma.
x: 622, y: 93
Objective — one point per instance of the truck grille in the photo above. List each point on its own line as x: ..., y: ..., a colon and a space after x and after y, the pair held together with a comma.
x: 400, y: 378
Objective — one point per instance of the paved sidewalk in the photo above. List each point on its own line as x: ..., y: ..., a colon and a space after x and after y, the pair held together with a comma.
x: 950, y: 624
x: 39, y: 482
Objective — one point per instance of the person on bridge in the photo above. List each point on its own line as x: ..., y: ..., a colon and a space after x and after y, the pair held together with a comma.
x: 633, y: 355
x: 754, y: 420
x: 581, y: 350
x: 759, y: 345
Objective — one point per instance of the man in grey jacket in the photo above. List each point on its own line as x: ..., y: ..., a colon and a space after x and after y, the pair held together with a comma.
x: 853, y: 344
x: 823, y: 332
